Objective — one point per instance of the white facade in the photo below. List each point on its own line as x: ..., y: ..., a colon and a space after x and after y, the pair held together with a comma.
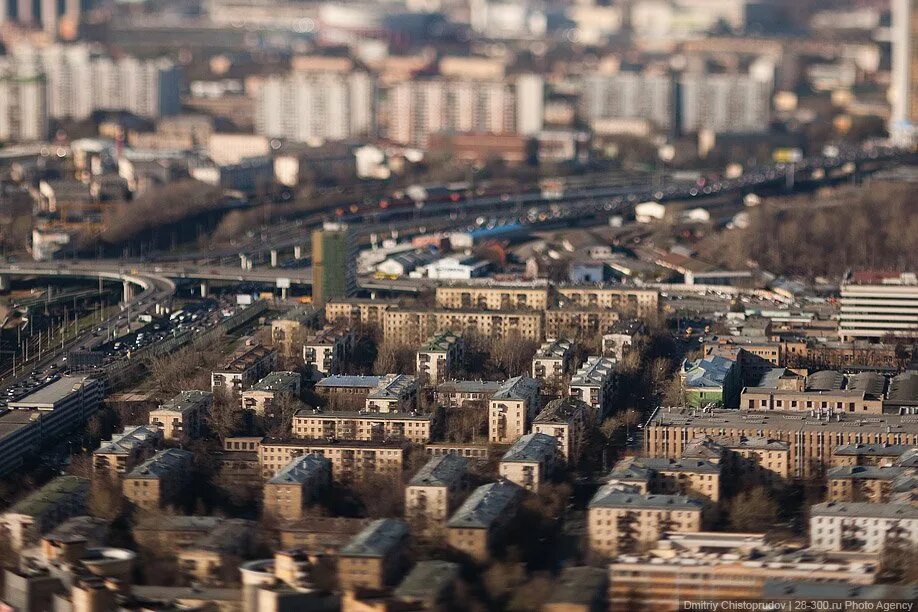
x: 874, y: 311
x: 316, y: 106
x: 862, y: 527
x: 902, y: 125
x: 725, y: 103
x: 628, y: 95
x: 23, y: 109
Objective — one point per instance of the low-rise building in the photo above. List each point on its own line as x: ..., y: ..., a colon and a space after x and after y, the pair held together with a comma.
x: 180, y: 418
x: 696, y: 478
x: 627, y: 301
x: 565, y: 419
x: 477, y: 527
x: 274, y: 388
x: 214, y: 559
x: 491, y: 297
x: 755, y: 458
x: 376, y: 426
x: 288, y: 328
x: 711, y: 380
x: 786, y: 400
x: 857, y: 483
x: 812, y: 440
x: 125, y: 450
x: 435, y: 490
x: 393, y: 393
x: 863, y: 527
x: 579, y: 589
x: 873, y: 455
x: 346, y: 392
x: 414, y: 326
x: 325, y: 351
x: 456, y: 393
x: 158, y: 481
x: 357, y: 311
x: 351, y: 459
x: 375, y: 557
x: 553, y: 360
x: 512, y: 408
x: 579, y: 320
x: 246, y: 366
x: 620, y: 520
x: 321, y: 534
x: 43, y: 510
x: 594, y: 384
x: 530, y: 460
x: 295, y: 485
x: 430, y: 585
x: 478, y: 453
x: 619, y: 340
x: 439, y: 358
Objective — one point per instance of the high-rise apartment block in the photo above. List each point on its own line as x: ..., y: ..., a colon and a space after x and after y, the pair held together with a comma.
x: 334, y: 263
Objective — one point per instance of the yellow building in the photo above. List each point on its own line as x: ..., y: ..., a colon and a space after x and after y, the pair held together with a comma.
x: 350, y: 459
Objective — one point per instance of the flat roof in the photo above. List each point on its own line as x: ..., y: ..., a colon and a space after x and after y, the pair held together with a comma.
x: 787, y: 421
x: 277, y: 380
x: 50, y: 394
x: 185, y: 400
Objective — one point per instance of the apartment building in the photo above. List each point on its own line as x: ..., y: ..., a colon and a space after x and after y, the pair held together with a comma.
x: 579, y: 321
x: 375, y: 557
x: 809, y: 400
x: 292, y: 325
x: 479, y: 453
x: 412, y: 327
x: 326, y: 350
x: 247, y: 365
x: 334, y: 262
x: 493, y: 297
x: 553, y: 360
x: 564, y: 419
x: 180, y: 418
x: 757, y: 458
x: 351, y: 459
x: 213, y: 559
x: 457, y: 393
x: 168, y: 533
x: 478, y: 526
x: 322, y: 534
x: 624, y: 300
x: 274, y: 388
x: 874, y: 308
x: 124, y: 450
x: 530, y: 461
x: 696, y: 478
x: 619, y: 340
x: 158, y: 481
x: 439, y: 358
x: 296, y: 485
x: 873, y: 455
x: 862, y: 527
x: 358, y: 311
x: 714, y: 380
x: 579, y: 589
x: 413, y: 427
x: 684, y: 568
x: 346, y: 391
x: 594, y: 384
x: 812, y: 440
x: 43, y: 510
x: 621, y: 521
x: 512, y: 408
x: 393, y: 393
x: 435, y: 491
x: 876, y: 485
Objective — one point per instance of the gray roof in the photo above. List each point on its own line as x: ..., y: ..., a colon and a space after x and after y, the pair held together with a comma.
x: 708, y: 373
x: 393, y: 386
x: 485, y: 505
x: 903, y: 389
x: 662, y: 464
x: 163, y: 463
x: 126, y: 442
x: 554, y: 349
x: 427, y: 580
x: 48, y: 395
x: 440, y: 342
x: 562, y: 410
x: 377, y: 539
x: 593, y: 372
x: 440, y: 471
x: 277, y: 381
x: 50, y: 496
x: 608, y: 496
x: 516, y: 388
x: 302, y: 469
x: 864, y: 472
x: 185, y: 400
x: 469, y: 386
x: 316, y: 413
x: 863, y: 509
x: 531, y: 448
x: 826, y: 380
x: 364, y: 382
x: 880, y: 450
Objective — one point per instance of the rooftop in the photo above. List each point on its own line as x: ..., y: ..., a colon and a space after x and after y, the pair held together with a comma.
x: 49, y: 496
x: 880, y: 450
x: 164, y: 463
x: 427, y: 580
x: 531, y: 448
x: 594, y: 372
x: 485, y: 505
x: 469, y: 386
x: 301, y: 470
x: 863, y: 509
x: 185, y: 400
x: 516, y: 388
x: 803, y: 590
x: 322, y: 443
x: 440, y: 471
x: 579, y: 585
x: 709, y: 373
x: 562, y: 410
x: 554, y: 349
x: 363, y: 382
x: 277, y: 381
x: 377, y: 539
x: 130, y: 439
x: 393, y: 386
x: 49, y: 395
x: 609, y: 496
x: 328, y: 335
x: 864, y: 472
x: 244, y: 358
x: 316, y: 413
x: 440, y: 342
